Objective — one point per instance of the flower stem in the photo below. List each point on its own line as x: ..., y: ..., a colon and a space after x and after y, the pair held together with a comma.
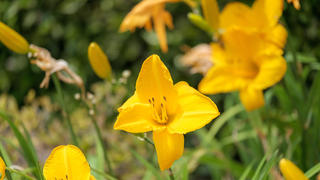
x: 95, y: 124
x: 65, y: 111
x: 20, y: 173
x: 171, y: 174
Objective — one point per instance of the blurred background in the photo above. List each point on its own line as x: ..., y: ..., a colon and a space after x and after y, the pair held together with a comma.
x: 66, y: 28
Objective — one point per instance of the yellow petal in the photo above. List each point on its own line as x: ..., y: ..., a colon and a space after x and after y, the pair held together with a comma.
x: 132, y: 100
x: 290, y: 171
x: 169, y: 147
x: 271, y: 71
x: 141, y: 14
x: 99, y: 61
x: 236, y: 14
x: 251, y: 99
x: 278, y: 35
x: 244, y: 45
x: 2, y: 169
x: 160, y: 28
x: 136, y: 118
x: 271, y: 10
x: 66, y: 162
x: 154, y: 81
x: 221, y: 79
x: 92, y: 178
x: 12, y: 40
x: 197, y: 110
x: 210, y: 10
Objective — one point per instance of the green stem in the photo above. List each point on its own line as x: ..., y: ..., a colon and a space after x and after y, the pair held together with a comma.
x: 107, y: 176
x: 171, y: 174
x: 65, y: 112
x: 95, y: 124
x: 148, y: 140
x: 20, y: 173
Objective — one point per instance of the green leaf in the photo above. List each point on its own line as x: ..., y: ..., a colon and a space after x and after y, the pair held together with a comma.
x: 28, y: 153
x: 148, y: 165
x: 312, y: 171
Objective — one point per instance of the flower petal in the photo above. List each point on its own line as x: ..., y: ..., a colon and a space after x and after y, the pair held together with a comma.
x: 252, y: 99
x: 2, y: 169
x: 155, y: 81
x: 271, y: 71
x: 235, y: 14
x: 271, y: 10
x: 278, y: 35
x: 290, y: 171
x: 160, y: 28
x: 132, y: 100
x: 169, y: 147
x: 197, y: 110
x: 66, y: 162
x: 210, y: 10
x: 221, y: 79
x: 136, y: 118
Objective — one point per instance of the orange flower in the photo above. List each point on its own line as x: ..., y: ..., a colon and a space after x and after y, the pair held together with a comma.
x: 144, y: 13
x: 295, y: 3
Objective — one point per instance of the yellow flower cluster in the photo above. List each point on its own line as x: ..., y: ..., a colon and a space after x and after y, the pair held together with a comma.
x: 248, y: 57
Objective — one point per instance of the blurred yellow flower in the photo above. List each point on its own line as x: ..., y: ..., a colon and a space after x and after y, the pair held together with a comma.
x: 166, y: 109
x: 244, y: 63
x: 262, y: 17
x: 99, y: 61
x: 290, y: 171
x: 296, y: 3
x: 12, y: 40
x: 2, y: 169
x: 144, y: 13
x: 67, y: 162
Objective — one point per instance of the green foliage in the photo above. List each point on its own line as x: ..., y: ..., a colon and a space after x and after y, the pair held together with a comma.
x: 237, y: 145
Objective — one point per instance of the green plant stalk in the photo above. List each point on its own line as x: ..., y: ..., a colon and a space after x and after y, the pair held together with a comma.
x: 171, y: 174
x: 107, y: 176
x: 20, y: 173
x: 66, y: 113
x: 27, y: 147
x: 257, y: 124
x: 97, y: 129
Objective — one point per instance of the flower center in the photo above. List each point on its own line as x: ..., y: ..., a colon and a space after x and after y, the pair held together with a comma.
x: 159, y: 109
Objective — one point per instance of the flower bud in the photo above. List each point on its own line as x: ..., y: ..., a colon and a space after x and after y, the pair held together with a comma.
x: 13, y: 40
x: 99, y: 61
x: 290, y: 171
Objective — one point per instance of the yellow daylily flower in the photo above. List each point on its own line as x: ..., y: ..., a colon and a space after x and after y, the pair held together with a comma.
x: 169, y: 110
x: 290, y: 171
x: 67, y: 162
x: 13, y: 40
x: 296, y: 4
x: 2, y: 169
x: 244, y: 63
x: 99, y: 61
x: 144, y: 13
x: 262, y: 17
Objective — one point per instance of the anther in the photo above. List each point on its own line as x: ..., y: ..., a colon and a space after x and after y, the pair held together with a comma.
x: 164, y: 98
